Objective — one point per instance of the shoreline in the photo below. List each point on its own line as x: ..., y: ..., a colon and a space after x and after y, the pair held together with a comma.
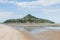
x: 31, y: 24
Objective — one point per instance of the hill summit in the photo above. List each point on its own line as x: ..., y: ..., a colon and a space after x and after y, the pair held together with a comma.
x: 28, y: 19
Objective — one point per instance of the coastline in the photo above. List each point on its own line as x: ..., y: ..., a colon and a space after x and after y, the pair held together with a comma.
x: 31, y: 24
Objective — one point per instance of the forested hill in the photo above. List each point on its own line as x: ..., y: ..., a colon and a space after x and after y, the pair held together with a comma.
x: 28, y: 19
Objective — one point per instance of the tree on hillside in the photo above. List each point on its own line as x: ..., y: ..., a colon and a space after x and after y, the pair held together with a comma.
x: 29, y: 18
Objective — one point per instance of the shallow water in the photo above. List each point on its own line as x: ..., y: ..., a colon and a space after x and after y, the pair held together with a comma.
x: 37, y: 29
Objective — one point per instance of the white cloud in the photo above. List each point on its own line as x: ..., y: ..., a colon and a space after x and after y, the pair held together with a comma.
x: 37, y: 3
x: 5, y: 15
x: 48, y: 2
x: 47, y: 11
x: 8, y: 15
x: 33, y: 3
x: 3, y: 1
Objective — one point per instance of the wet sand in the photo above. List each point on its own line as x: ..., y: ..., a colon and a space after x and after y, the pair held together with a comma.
x: 48, y: 35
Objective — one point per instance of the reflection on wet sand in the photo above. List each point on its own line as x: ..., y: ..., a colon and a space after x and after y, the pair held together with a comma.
x: 49, y: 33
x: 43, y: 33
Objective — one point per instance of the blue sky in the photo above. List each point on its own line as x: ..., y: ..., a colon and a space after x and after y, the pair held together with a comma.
x: 46, y: 9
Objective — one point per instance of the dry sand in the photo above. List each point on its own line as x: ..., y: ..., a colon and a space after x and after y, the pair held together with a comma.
x: 8, y: 33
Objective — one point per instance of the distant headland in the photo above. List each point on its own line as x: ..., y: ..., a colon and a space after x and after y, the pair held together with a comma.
x: 28, y: 19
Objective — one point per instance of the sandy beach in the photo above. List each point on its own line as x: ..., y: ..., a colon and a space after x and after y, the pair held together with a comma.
x: 8, y: 33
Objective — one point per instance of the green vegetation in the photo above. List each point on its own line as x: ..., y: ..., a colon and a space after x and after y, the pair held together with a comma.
x: 28, y: 19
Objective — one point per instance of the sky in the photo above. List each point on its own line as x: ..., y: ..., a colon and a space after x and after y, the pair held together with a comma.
x: 46, y: 9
